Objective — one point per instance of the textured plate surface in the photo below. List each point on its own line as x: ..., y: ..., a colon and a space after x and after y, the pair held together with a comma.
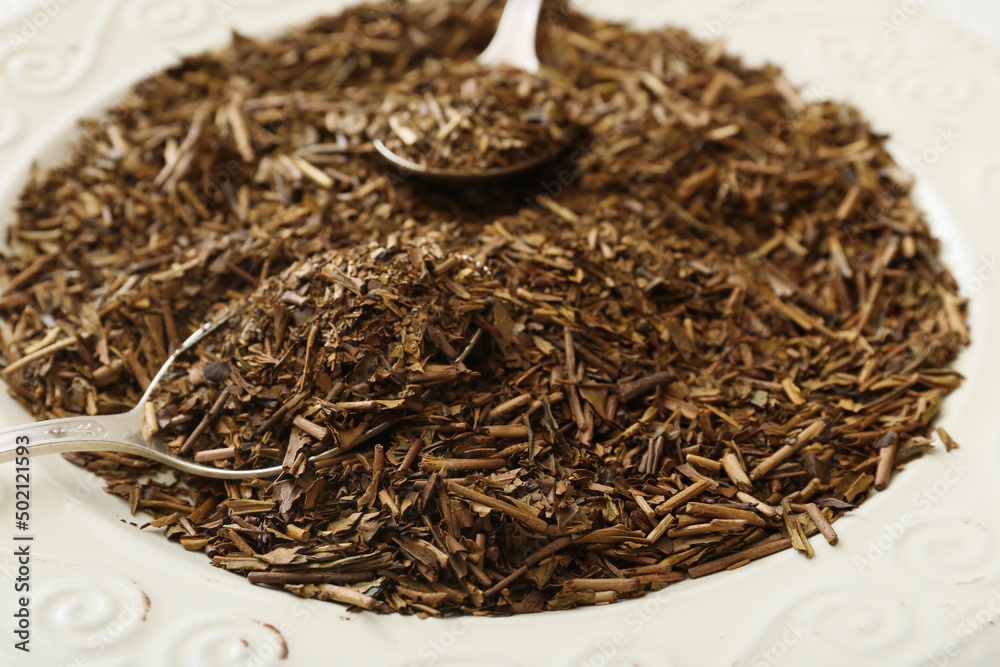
x: 916, y: 578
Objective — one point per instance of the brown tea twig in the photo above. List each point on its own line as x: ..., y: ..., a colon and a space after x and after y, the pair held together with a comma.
x: 468, y: 348
x: 28, y: 273
x: 307, y: 360
x: 635, y: 388
x: 275, y: 417
x: 411, y: 454
x: 763, y: 508
x: 772, y: 461
x: 765, y: 547
x: 713, y: 526
x: 734, y: 470
x: 220, y: 454
x: 530, y: 520
x: 509, y: 406
x: 207, y: 421
x: 39, y: 354
x: 721, y: 512
x: 650, y: 462
x: 682, y: 497
x: 820, y: 521
x: 348, y: 596
x: 321, y: 433
x: 282, y: 578
x: 174, y: 169
x: 887, y: 444
x: 548, y: 550
x: 616, y: 585
x: 431, y: 463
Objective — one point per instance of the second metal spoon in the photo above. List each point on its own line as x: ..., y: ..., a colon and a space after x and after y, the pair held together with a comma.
x: 513, y: 45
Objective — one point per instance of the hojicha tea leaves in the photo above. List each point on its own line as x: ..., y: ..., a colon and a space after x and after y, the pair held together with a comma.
x: 464, y: 116
x: 697, y: 338
x: 332, y: 348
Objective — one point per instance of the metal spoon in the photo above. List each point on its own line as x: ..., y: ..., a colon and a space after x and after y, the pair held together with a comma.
x: 123, y: 432
x: 513, y: 45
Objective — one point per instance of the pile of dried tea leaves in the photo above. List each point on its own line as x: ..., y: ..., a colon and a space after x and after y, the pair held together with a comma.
x: 463, y: 116
x: 715, y: 324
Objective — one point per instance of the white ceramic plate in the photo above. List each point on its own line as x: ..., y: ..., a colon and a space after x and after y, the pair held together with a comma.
x: 916, y: 578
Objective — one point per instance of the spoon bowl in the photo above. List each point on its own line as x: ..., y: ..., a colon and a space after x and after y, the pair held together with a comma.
x: 512, y: 46
x: 124, y: 433
x: 443, y: 175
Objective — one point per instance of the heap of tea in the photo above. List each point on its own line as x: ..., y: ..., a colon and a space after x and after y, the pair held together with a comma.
x: 712, y: 326
x: 463, y: 116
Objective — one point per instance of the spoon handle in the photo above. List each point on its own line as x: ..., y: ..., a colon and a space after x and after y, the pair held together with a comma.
x: 72, y: 434
x: 514, y: 42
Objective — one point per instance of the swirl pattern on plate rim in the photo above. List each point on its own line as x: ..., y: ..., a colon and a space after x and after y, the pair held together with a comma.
x: 211, y: 640
x: 950, y: 549
x: 170, y: 18
x: 92, y: 610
